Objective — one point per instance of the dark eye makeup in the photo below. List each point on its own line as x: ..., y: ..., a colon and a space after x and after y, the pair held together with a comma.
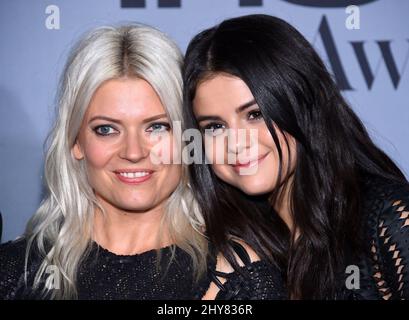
x: 158, y: 127
x: 104, y: 130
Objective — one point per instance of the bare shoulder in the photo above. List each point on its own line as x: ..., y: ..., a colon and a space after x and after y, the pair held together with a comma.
x: 224, y: 266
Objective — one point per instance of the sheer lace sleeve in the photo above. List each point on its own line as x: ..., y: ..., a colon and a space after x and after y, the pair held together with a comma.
x: 390, y: 243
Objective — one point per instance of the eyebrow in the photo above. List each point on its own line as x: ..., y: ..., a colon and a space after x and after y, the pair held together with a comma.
x: 245, y: 106
x: 239, y: 109
x: 153, y: 118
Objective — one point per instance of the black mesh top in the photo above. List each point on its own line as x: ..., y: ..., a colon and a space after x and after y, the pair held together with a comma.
x: 104, y: 275
x: 384, y: 264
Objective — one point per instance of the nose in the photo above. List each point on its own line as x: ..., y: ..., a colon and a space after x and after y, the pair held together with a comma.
x: 237, y: 140
x: 134, y: 148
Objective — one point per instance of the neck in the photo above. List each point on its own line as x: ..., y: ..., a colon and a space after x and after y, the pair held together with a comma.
x: 283, y: 205
x: 127, y: 233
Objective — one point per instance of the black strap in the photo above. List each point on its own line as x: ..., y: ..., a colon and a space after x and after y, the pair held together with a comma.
x: 241, y: 252
x: 214, y: 274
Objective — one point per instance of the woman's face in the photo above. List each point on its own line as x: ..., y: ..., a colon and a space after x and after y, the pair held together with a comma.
x: 233, y: 127
x: 123, y: 122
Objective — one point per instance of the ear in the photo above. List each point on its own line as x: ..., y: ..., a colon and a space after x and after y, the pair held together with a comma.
x: 76, y: 151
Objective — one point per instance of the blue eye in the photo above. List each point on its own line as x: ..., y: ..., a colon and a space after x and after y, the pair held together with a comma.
x: 104, y: 130
x: 213, y: 129
x: 159, y: 127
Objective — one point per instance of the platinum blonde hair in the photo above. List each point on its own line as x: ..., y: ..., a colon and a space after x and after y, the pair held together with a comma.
x: 61, y: 229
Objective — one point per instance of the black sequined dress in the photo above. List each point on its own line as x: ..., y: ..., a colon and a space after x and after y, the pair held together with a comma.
x: 104, y: 275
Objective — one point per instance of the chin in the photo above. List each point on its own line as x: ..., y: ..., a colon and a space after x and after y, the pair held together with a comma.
x: 137, y: 207
x: 253, y: 192
x: 254, y: 188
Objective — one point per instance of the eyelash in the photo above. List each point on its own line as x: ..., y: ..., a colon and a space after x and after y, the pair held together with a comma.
x: 97, y: 128
x: 150, y: 129
x: 258, y: 112
x: 163, y: 124
x: 211, y: 126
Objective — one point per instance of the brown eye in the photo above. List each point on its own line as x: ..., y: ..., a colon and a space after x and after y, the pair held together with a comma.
x: 213, y: 129
x: 254, y: 115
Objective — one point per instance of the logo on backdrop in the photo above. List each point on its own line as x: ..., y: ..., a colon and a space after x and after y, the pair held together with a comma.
x: 252, y: 3
x: 329, y: 4
x: 368, y: 68
x: 178, y: 3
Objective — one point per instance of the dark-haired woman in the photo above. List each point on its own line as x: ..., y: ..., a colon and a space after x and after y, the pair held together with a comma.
x: 339, y: 206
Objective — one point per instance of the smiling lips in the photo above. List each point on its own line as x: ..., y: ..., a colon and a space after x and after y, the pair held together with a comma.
x: 134, y: 176
x: 249, y: 164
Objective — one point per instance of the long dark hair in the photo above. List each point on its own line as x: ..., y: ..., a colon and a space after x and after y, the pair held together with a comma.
x: 293, y: 90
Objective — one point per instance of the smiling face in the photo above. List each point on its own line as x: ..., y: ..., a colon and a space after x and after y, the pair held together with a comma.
x: 122, y: 125
x: 224, y: 107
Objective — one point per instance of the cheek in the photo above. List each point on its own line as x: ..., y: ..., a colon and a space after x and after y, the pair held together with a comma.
x: 267, y: 143
x: 175, y: 173
x: 98, y: 154
x: 215, y: 149
x: 164, y: 149
x: 265, y: 138
x: 225, y: 173
x: 170, y: 178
